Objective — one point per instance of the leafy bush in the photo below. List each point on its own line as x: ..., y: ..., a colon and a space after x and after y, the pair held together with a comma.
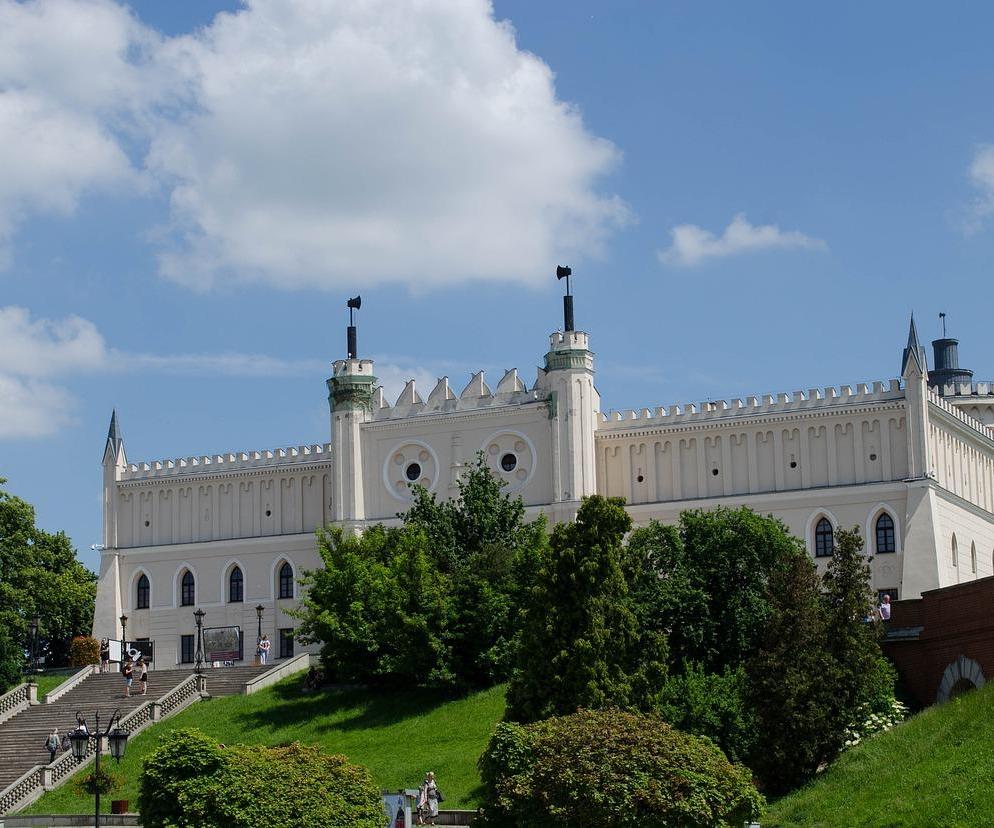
x: 84, y: 650
x: 192, y: 781
x: 610, y: 768
x: 106, y: 782
x: 707, y: 704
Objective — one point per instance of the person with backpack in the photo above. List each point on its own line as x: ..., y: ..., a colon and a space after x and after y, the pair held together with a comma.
x: 52, y: 744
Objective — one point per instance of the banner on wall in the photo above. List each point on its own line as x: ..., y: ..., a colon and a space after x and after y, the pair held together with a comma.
x: 222, y: 643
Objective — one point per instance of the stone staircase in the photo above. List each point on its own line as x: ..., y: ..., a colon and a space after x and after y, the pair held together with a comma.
x: 23, y: 735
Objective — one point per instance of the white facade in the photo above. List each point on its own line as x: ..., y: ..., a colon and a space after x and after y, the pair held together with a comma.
x: 902, y: 453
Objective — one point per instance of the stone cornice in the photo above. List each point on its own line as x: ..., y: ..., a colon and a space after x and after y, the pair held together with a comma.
x: 232, y: 475
x: 739, y: 421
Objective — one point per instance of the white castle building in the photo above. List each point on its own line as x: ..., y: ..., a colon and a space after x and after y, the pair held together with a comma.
x: 909, y: 461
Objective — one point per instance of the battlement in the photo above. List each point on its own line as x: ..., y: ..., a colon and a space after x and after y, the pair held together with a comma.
x: 962, y: 416
x: 569, y: 339
x: 968, y: 389
x: 279, y: 457
x: 510, y: 391
x: 813, y: 398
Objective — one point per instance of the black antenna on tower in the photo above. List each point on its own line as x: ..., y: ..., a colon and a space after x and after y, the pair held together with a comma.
x: 942, y: 318
x: 565, y: 273
x: 353, y: 305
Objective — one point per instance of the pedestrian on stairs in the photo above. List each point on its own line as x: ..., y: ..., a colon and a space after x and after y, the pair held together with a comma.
x: 143, y: 674
x: 264, y: 646
x: 129, y: 673
x: 104, y: 655
x: 52, y: 744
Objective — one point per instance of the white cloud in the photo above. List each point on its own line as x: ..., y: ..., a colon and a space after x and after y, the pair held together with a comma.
x: 693, y: 244
x: 982, y: 179
x: 31, y: 408
x: 68, y: 77
x: 309, y: 143
x: 45, y: 347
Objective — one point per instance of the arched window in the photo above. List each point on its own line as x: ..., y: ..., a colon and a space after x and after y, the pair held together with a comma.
x: 955, y: 552
x: 143, y: 589
x: 235, y: 584
x: 188, y: 595
x: 885, y: 534
x: 824, y: 539
x: 973, y: 557
x: 286, y: 581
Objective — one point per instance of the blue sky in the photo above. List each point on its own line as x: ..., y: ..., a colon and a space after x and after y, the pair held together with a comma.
x: 753, y: 198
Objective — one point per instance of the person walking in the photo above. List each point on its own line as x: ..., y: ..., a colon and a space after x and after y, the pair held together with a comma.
x: 884, y: 609
x: 428, y: 798
x: 129, y: 673
x: 143, y: 674
x: 264, y: 645
x: 52, y: 744
x: 104, y: 655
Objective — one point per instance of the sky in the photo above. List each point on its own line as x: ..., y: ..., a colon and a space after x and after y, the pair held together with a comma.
x: 753, y: 198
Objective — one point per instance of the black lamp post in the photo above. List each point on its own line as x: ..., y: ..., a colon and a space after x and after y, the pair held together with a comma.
x: 33, y: 643
x: 124, y: 631
x: 199, y: 615
x: 117, y: 739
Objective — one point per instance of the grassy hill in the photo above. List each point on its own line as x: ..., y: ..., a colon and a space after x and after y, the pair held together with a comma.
x: 398, y: 736
x: 935, y: 769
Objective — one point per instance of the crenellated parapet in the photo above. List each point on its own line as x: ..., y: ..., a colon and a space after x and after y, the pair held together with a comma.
x: 797, y: 401
x: 231, y: 461
x: 955, y: 411
x: 442, y: 399
x: 968, y: 389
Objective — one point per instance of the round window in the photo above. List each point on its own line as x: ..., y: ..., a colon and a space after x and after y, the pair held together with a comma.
x: 508, y: 462
x: 413, y: 471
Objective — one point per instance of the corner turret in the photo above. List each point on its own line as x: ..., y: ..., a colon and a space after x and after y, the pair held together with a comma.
x: 351, y: 391
x: 947, y: 370
x: 574, y: 406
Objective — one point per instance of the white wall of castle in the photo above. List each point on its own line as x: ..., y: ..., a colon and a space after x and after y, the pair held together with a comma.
x: 846, y: 454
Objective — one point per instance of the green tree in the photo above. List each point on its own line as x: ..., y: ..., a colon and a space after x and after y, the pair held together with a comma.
x: 39, y: 575
x: 379, y: 607
x: 711, y: 705
x: 730, y: 555
x: 792, y: 682
x: 581, y: 645
x: 853, y: 643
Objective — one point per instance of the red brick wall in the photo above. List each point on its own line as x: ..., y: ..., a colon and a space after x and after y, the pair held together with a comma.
x: 956, y: 621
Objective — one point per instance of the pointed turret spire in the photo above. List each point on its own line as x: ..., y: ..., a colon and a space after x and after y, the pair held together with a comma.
x: 114, y: 448
x: 913, y: 352
x: 112, y: 433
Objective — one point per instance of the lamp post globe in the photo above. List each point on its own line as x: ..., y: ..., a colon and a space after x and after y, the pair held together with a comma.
x: 118, y: 741
x: 80, y: 742
x: 124, y: 627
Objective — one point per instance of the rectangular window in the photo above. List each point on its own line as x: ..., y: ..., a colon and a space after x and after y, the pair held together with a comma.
x: 186, y: 649
x: 286, y: 643
x: 882, y: 592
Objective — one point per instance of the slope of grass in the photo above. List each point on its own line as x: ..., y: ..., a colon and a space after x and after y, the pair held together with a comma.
x: 935, y: 769
x: 47, y: 682
x: 397, y: 735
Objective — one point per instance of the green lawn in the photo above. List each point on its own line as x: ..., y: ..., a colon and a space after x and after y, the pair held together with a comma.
x: 47, y: 682
x: 935, y: 769
x: 398, y: 736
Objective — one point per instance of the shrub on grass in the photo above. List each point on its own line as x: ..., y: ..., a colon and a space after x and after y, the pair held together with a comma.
x: 84, y: 650
x: 192, y: 781
x: 610, y: 768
